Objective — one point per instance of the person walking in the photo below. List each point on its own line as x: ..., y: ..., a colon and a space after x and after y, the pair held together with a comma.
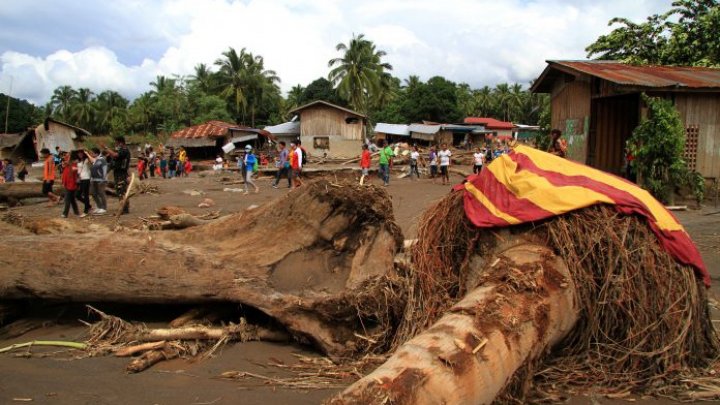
x: 70, y: 183
x: 83, y: 168
x: 296, y: 156
x: 121, y: 157
x: 152, y: 161
x: 98, y: 180
x: 414, y: 158
x: 249, y: 163
x: 432, y: 157
x: 444, y: 156
x: 283, y: 166
x: 386, y: 155
x: 49, y: 176
x: 478, y: 160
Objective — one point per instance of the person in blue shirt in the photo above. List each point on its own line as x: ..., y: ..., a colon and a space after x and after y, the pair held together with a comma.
x: 250, y: 161
x: 9, y: 171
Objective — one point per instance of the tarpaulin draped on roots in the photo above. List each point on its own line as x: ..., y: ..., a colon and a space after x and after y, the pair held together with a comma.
x: 644, y: 319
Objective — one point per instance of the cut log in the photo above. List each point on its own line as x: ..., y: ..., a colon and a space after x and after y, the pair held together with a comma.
x: 240, y: 332
x: 523, y: 306
x: 150, y: 358
x: 281, y: 258
x: 132, y: 350
x: 21, y: 190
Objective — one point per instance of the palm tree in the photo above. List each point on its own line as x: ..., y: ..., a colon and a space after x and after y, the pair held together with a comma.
x: 261, y: 83
x: 502, y: 99
x: 294, y: 96
x: 82, y: 107
x: 203, y: 78
x: 412, y: 82
x: 61, y: 100
x: 233, y: 76
x: 516, y: 100
x: 110, y: 104
x: 163, y: 84
x: 483, y: 101
x: 358, y: 74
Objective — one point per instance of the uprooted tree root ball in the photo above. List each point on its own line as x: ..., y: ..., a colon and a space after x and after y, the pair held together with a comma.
x: 643, y: 326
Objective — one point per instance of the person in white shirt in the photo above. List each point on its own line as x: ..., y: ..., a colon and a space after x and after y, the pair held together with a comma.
x: 444, y: 156
x: 84, y: 177
x: 414, y: 157
x: 479, y: 160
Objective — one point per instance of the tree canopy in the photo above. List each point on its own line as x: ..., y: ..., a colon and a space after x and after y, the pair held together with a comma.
x: 238, y: 87
x: 687, y: 34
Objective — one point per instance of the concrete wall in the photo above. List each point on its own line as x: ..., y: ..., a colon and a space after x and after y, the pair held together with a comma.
x: 339, y: 146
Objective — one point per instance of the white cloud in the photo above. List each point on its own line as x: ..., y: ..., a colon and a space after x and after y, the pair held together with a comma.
x: 481, y: 42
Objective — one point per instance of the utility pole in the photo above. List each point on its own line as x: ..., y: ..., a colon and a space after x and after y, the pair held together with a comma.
x: 7, y: 109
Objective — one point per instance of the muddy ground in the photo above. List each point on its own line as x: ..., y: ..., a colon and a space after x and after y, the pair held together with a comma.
x: 60, y: 379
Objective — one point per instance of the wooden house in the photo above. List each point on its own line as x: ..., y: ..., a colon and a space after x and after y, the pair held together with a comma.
x: 597, y: 105
x: 330, y: 130
x: 52, y: 133
x: 207, y: 140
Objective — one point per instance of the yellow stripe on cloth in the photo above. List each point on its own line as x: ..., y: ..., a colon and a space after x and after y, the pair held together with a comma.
x: 551, y: 163
x: 538, y: 190
x: 482, y: 199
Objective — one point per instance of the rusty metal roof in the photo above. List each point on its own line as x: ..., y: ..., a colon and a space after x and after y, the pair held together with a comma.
x: 489, y: 123
x: 651, y: 76
x: 210, y: 129
x: 323, y: 102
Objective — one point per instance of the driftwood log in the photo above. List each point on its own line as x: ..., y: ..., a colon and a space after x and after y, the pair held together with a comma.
x: 470, y: 354
x: 20, y: 190
x: 309, y: 260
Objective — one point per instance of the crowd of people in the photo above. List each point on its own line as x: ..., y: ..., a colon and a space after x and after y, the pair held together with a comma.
x: 84, y: 173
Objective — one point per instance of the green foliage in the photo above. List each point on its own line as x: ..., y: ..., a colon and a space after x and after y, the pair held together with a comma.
x: 320, y: 89
x: 360, y: 76
x: 688, y: 34
x: 435, y: 101
x: 657, y: 145
x: 21, y: 114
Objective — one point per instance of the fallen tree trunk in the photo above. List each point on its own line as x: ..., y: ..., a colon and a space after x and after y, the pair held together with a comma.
x: 524, y: 305
x: 319, y: 261
x: 20, y: 190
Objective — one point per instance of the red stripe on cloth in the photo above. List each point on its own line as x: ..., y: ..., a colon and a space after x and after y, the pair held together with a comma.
x: 677, y: 243
x: 507, y: 202
x: 478, y: 214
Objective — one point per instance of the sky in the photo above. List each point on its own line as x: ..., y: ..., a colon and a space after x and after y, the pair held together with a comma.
x: 123, y: 45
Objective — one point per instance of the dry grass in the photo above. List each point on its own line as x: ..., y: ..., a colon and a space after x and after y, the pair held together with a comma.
x: 644, y: 324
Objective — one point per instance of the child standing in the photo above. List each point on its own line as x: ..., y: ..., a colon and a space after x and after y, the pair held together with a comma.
x: 188, y: 167
x: 444, y: 156
x: 163, y: 166
x: 70, y: 182
x: 479, y: 159
x: 365, y: 164
x: 433, y: 163
x: 414, y: 157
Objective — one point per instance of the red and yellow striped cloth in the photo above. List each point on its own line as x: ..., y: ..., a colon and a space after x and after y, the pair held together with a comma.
x: 529, y: 185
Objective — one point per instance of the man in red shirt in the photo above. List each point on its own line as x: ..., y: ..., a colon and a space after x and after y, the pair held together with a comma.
x: 365, y: 164
x: 70, y: 182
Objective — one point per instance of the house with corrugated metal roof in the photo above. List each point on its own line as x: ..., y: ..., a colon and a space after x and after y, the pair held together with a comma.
x: 207, y: 140
x: 327, y: 129
x: 597, y: 105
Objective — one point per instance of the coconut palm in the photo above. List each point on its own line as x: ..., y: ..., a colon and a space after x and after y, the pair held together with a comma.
x: 110, y: 104
x: 62, y: 100
x: 483, y: 101
x: 82, y: 108
x: 233, y: 77
x: 203, y: 78
x: 501, y: 93
x: 294, y: 96
x: 358, y: 73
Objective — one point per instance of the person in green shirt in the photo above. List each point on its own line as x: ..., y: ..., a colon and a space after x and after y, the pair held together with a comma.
x: 386, y: 155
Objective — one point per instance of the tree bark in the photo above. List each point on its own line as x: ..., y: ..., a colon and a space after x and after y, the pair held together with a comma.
x: 524, y: 306
x: 306, y: 260
x: 20, y: 190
